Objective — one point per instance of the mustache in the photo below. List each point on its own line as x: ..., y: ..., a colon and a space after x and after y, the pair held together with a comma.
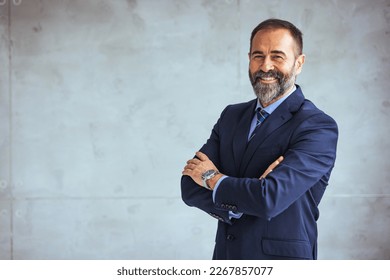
x: 270, y: 74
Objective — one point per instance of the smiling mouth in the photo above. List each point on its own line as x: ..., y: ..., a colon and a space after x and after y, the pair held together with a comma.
x: 267, y: 80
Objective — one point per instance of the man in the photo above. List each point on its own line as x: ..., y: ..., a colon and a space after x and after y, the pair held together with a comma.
x: 266, y: 213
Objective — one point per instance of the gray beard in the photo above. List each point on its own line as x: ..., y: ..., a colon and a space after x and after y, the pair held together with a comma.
x: 268, y: 92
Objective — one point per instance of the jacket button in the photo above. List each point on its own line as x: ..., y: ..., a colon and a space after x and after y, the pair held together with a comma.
x: 230, y: 237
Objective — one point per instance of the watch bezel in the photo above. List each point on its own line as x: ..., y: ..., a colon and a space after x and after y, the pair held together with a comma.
x: 207, y: 175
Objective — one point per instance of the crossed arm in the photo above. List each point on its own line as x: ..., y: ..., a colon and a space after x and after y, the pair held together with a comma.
x: 197, y: 166
x: 308, y: 161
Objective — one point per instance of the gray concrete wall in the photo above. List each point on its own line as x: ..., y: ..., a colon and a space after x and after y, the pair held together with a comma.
x: 102, y: 102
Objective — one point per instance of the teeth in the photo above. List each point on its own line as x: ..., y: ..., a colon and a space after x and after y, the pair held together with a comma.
x: 268, y: 78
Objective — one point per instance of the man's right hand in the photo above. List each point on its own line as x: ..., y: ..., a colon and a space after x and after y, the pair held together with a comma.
x: 272, y: 167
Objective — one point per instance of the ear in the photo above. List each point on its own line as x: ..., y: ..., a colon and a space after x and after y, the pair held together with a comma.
x: 299, y: 63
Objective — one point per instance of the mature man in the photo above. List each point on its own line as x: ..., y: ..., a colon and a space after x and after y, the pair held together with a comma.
x: 265, y: 213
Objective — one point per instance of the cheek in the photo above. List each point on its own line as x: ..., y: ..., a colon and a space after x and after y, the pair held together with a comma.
x: 287, y: 69
x: 253, y: 63
x: 253, y: 67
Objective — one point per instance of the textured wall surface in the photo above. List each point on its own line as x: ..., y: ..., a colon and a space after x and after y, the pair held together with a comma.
x: 102, y: 102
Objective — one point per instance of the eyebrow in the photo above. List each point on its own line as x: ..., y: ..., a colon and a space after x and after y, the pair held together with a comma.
x: 273, y: 52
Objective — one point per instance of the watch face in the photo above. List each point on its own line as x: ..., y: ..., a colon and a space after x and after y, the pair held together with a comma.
x: 208, y: 173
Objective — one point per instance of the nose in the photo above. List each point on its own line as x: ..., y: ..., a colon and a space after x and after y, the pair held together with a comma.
x: 266, y: 64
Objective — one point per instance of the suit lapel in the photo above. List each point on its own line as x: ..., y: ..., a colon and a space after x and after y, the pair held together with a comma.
x: 241, y: 134
x: 280, y: 116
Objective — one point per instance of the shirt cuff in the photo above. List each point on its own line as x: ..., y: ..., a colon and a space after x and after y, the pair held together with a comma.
x: 234, y: 215
x: 217, y: 185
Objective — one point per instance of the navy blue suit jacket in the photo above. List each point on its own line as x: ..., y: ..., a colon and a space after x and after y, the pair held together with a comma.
x: 280, y: 212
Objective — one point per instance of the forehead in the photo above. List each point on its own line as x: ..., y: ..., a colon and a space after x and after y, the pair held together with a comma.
x: 268, y: 40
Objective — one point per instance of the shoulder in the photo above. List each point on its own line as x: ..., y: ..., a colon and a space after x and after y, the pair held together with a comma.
x: 310, y: 121
x: 309, y: 110
x: 306, y: 110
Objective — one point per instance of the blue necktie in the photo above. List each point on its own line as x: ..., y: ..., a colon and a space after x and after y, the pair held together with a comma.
x: 261, y: 116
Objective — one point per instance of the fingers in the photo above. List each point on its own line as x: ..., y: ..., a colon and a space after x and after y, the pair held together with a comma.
x: 272, y: 167
x: 276, y: 162
x: 193, y: 161
x: 198, y: 165
x: 201, y: 156
x: 189, y: 169
x: 190, y: 166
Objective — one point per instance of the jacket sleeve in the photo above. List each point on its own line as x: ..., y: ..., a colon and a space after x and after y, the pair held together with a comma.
x: 309, y: 159
x: 194, y: 195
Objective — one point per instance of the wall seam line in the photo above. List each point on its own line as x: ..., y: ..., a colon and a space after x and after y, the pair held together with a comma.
x: 10, y: 107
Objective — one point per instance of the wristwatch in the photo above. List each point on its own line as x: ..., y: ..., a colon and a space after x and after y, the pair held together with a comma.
x: 207, y: 176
